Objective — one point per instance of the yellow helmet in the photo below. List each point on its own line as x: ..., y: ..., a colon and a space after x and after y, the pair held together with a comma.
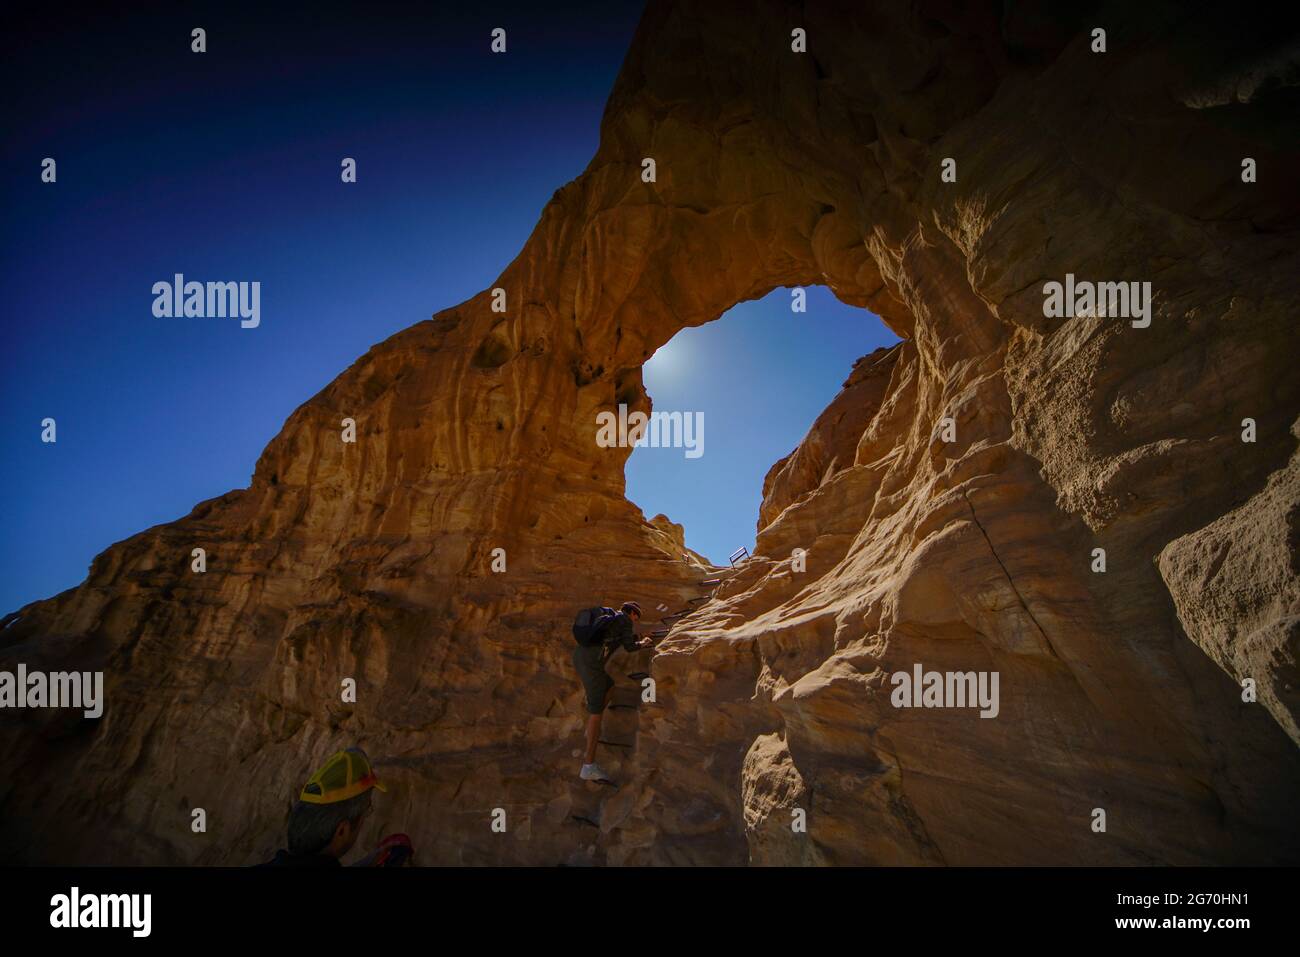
x: 345, y: 775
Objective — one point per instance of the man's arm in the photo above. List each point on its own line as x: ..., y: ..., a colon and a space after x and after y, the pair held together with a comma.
x: 622, y: 633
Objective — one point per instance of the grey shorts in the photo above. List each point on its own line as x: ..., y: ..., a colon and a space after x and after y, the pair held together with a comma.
x: 590, y: 663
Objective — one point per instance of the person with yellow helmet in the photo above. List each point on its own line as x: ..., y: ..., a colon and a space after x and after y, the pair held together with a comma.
x: 327, y: 817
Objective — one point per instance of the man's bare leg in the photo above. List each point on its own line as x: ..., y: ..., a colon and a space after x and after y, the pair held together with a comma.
x: 593, y: 728
x: 593, y: 736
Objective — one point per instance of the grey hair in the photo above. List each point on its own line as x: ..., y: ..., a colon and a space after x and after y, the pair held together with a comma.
x: 312, y: 826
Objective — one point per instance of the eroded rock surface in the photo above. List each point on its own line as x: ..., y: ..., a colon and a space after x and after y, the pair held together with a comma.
x: 476, y: 431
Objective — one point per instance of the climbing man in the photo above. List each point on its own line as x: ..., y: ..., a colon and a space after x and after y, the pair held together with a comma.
x: 598, y: 632
x: 326, y: 819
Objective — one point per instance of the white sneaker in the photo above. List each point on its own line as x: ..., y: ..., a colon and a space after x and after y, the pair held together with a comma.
x: 592, y: 772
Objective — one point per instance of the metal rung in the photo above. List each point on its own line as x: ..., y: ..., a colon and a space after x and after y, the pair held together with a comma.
x: 698, y: 600
x: 639, y: 675
x: 711, y: 581
x: 616, y: 744
x: 740, y: 553
x: 663, y: 632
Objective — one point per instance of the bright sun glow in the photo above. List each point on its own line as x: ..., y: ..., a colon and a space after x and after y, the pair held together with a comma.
x: 669, y: 360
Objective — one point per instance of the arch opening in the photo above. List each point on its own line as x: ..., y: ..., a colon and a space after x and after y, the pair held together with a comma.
x: 734, y: 399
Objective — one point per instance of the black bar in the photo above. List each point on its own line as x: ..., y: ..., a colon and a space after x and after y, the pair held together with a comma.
x: 206, y: 906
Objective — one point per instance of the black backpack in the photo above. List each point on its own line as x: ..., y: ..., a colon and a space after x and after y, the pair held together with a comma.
x: 589, y: 627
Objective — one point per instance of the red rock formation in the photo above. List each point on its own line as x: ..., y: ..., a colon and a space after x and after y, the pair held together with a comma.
x: 476, y: 431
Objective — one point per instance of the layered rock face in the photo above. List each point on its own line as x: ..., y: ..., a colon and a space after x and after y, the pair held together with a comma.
x: 945, y: 510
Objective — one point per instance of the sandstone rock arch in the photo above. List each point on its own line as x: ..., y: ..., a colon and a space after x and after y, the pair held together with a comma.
x: 475, y: 432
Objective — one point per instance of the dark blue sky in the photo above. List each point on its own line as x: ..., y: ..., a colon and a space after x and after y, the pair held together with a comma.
x: 225, y: 166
